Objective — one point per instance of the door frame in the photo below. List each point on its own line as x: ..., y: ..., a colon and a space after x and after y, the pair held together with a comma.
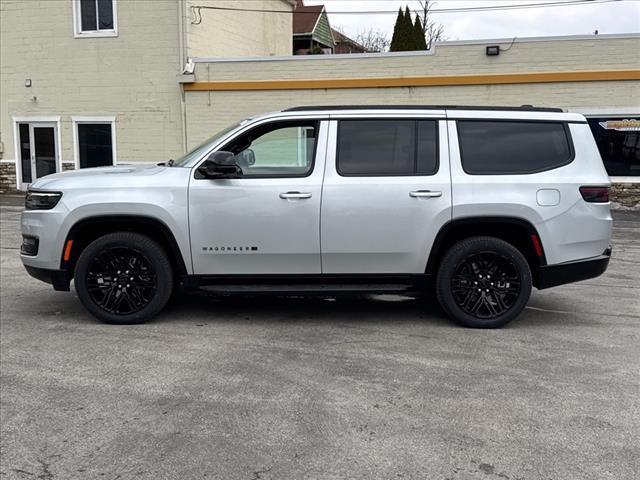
x: 35, y: 119
x: 104, y: 120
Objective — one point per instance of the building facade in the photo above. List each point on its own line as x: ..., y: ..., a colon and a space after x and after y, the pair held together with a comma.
x: 98, y: 83
x: 598, y: 76
x: 146, y: 81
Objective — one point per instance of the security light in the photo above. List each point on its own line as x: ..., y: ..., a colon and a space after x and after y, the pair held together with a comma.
x: 493, y: 50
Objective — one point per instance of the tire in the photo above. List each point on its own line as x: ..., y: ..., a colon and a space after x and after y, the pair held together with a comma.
x: 483, y: 282
x: 124, y: 278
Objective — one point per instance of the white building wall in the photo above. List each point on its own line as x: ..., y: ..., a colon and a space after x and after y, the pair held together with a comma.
x: 131, y: 76
x: 229, y: 33
x: 209, y: 111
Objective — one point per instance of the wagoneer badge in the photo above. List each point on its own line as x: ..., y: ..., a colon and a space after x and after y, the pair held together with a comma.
x: 230, y: 249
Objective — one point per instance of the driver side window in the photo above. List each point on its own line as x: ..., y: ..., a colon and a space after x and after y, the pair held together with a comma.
x: 279, y: 149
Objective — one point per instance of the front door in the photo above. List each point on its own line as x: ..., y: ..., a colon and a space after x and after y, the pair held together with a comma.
x: 386, y: 194
x: 267, y: 219
x: 38, y: 151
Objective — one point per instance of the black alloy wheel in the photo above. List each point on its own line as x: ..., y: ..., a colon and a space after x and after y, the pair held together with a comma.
x: 483, y: 282
x: 486, y: 284
x: 124, y: 278
x: 121, y: 280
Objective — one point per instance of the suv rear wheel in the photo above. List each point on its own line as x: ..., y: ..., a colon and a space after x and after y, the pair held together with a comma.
x: 483, y: 282
x: 123, y: 278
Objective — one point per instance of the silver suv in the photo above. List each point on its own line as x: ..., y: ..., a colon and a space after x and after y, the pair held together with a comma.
x: 478, y: 204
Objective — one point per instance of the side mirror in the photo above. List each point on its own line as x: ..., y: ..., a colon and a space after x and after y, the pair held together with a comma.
x: 246, y: 157
x: 219, y: 165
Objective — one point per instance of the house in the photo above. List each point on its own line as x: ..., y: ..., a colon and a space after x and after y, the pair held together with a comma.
x: 312, y: 32
x: 346, y: 45
x: 86, y: 84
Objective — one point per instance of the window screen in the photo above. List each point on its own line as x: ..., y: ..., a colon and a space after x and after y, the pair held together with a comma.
x: 387, y: 147
x: 499, y: 147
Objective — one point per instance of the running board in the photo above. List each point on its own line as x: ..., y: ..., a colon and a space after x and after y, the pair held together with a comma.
x: 322, y: 289
x: 326, y: 284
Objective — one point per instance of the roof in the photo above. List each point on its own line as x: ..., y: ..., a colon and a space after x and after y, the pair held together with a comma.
x: 306, y: 18
x: 522, y: 108
x: 340, y: 37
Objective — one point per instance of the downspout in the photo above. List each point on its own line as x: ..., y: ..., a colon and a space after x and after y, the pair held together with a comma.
x: 182, y: 60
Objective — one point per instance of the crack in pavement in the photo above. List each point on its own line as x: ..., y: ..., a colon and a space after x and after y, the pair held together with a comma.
x: 548, y: 310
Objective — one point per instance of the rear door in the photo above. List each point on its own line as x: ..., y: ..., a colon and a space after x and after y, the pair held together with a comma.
x: 386, y: 193
x: 530, y: 166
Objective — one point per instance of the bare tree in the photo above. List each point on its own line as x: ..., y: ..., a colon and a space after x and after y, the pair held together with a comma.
x: 433, y: 31
x: 373, y: 40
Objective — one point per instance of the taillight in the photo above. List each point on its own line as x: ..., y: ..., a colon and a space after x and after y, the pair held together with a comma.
x: 595, y: 194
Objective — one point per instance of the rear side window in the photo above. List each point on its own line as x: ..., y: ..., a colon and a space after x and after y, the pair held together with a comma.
x: 499, y: 147
x: 387, y: 147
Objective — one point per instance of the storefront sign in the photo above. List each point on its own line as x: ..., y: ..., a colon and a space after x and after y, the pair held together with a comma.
x: 626, y: 125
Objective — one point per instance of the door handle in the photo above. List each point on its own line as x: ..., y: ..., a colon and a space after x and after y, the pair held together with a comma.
x: 294, y: 195
x: 425, y: 193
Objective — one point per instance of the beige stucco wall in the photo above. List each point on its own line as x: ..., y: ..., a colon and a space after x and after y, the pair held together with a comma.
x: 227, y: 33
x: 208, y: 112
x: 131, y: 76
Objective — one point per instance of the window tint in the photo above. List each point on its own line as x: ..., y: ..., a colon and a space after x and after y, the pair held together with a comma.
x: 427, y: 148
x: 387, y: 147
x: 95, y: 145
x: 276, y: 149
x: 499, y: 147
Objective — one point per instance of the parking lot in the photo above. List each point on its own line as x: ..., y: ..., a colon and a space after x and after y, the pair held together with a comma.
x: 369, y: 387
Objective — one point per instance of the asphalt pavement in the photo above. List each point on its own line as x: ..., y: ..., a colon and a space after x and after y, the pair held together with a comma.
x: 310, y: 388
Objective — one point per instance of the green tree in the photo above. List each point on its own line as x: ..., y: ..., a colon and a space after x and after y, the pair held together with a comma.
x: 418, y: 31
x: 407, y: 36
x: 407, y: 29
x: 397, y: 30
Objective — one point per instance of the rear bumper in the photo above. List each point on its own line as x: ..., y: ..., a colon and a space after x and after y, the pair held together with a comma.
x: 60, y: 279
x: 569, y: 272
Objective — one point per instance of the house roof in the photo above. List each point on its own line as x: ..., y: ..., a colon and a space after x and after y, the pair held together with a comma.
x: 306, y: 18
x: 340, y: 37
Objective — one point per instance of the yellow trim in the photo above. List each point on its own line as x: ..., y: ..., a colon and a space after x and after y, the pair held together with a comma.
x: 431, y: 81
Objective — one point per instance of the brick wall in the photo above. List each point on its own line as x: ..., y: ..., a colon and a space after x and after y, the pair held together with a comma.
x: 208, y: 112
x: 7, y: 178
x: 625, y: 195
x: 227, y: 33
x: 131, y: 77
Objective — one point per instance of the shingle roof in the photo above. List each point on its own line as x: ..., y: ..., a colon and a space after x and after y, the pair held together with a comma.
x: 341, y: 37
x: 305, y: 18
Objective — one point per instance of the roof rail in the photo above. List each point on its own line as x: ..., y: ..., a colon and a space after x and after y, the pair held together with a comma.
x: 522, y: 108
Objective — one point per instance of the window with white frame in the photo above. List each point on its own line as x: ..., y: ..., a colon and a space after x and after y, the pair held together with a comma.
x: 95, y: 18
x: 94, y: 141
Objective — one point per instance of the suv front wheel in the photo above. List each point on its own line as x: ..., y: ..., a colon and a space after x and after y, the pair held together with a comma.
x: 123, y: 278
x: 483, y: 282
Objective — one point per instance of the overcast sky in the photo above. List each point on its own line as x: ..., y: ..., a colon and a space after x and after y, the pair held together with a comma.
x: 621, y: 16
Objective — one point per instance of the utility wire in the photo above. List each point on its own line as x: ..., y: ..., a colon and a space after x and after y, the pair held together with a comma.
x: 514, y: 6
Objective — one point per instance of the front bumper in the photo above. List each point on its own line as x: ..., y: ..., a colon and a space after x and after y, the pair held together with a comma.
x: 60, y: 279
x: 569, y: 272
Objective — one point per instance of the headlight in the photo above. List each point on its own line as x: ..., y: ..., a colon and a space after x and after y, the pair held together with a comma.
x: 41, y: 200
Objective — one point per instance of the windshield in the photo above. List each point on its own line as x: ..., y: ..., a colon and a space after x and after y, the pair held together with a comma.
x: 203, y: 147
